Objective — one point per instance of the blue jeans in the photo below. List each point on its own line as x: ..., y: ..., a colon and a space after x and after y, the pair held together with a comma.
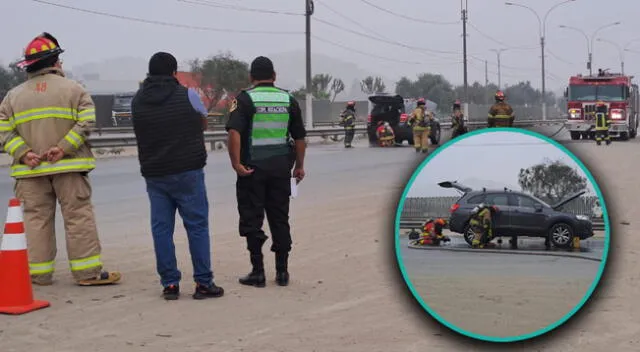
x: 187, y: 193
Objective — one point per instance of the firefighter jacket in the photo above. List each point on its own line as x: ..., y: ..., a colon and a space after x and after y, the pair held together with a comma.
x: 457, y: 123
x: 45, y: 111
x: 501, y: 110
x: 602, y: 121
x: 348, y: 119
x: 419, y: 119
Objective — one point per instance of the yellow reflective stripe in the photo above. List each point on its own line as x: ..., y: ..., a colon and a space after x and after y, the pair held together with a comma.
x: 15, y: 143
x: 87, y: 115
x: 86, y: 263
x: 74, y: 139
x: 501, y: 116
x: 41, y: 268
x: 44, y: 113
x: 62, y: 165
x: 5, y: 126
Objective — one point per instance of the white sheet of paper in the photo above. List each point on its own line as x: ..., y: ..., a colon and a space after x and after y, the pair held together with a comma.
x: 294, y: 187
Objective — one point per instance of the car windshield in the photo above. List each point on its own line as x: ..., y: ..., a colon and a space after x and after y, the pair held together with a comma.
x: 540, y: 201
x: 383, y: 109
x: 587, y: 92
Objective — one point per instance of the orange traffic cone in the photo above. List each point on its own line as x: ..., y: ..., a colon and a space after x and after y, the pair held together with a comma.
x: 16, y: 293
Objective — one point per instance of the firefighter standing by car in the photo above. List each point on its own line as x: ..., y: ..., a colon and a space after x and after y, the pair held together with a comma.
x: 420, y: 123
x: 386, y: 136
x: 432, y: 233
x: 457, y: 121
x: 44, y: 124
x: 348, y: 121
x: 501, y: 113
x: 482, y: 224
x: 602, y: 123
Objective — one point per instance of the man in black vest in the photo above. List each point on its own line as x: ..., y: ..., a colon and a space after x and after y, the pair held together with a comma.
x: 262, y: 122
x: 168, y: 124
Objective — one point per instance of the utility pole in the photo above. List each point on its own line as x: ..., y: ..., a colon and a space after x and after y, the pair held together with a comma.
x: 463, y: 6
x: 309, y: 97
x: 486, y: 80
x: 544, y: 90
x: 498, y: 55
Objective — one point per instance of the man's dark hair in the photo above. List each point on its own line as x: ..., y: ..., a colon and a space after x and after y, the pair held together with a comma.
x: 162, y: 64
x: 262, y: 69
x: 44, y: 63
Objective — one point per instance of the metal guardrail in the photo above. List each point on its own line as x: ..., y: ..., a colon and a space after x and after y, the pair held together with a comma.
x: 598, y: 225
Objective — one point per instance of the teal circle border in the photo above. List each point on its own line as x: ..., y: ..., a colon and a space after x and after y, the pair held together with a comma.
x: 552, y: 326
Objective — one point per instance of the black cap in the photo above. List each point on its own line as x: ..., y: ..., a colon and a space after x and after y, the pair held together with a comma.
x: 262, y: 68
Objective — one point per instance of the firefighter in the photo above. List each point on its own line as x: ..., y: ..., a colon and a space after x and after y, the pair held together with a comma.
x: 602, y: 124
x: 457, y: 121
x: 419, y: 122
x: 501, y: 113
x: 482, y: 224
x: 44, y: 124
x: 348, y: 121
x: 385, y: 134
x: 432, y: 232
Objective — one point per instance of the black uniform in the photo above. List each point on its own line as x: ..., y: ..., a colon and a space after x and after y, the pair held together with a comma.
x: 267, y: 189
x: 348, y: 121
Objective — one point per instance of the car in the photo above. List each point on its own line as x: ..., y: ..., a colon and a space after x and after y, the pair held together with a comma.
x: 520, y: 214
x: 395, y: 110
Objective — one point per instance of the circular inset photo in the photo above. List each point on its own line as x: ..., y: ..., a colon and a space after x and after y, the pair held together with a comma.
x: 502, y: 234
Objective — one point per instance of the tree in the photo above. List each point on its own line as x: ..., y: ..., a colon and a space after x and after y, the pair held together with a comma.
x: 551, y: 180
x: 372, y: 85
x: 429, y: 86
x: 321, y: 84
x: 10, y: 77
x: 299, y: 93
x: 220, y: 76
x: 337, y: 87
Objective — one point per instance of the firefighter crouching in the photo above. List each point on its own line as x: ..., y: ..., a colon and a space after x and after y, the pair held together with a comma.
x: 457, y: 121
x: 348, y: 121
x: 501, y: 113
x: 432, y: 233
x: 603, y: 122
x: 385, y: 134
x: 482, y: 224
x: 420, y: 124
x: 44, y: 123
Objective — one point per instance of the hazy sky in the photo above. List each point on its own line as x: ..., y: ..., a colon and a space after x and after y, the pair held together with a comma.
x: 490, y: 160
x: 89, y: 37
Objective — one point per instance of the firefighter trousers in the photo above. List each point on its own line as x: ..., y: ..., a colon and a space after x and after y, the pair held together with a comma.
x: 500, y: 122
x: 603, y: 135
x: 421, y: 139
x: 259, y: 193
x: 349, y: 132
x: 39, y: 196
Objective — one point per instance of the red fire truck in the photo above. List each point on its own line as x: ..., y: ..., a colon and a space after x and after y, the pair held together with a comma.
x: 616, y: 90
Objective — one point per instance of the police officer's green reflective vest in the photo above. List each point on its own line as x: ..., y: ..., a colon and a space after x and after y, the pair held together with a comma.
x: 269, y: 128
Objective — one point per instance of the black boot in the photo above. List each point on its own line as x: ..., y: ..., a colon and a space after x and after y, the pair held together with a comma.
x: 256, y: 276
x: 282, y: 274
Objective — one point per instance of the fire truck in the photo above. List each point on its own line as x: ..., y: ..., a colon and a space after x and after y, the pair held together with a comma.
x: 617, y: 91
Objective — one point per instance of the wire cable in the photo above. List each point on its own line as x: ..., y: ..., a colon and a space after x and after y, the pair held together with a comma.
x: 364, y: 53
x: 497, y: 41
x: 419, y: 20
x: 238, y: 8
x: 162, y: 23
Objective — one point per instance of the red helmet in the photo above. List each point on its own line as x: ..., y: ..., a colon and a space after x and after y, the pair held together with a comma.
x: 499, y: 95
x: 41, y: 47
x: 457, y: 104
x: 351, y: 103
x: 421, y: 101
x: 600, y: 103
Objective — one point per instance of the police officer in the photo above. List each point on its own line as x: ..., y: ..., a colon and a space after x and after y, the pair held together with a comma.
x: 262, y: 121
x: 348, y: 121
x: 501, y: 113
x: 602, y: 124
x: 457, y: 121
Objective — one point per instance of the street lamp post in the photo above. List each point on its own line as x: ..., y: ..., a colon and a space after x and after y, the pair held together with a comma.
x: 620, y: 51
x: 590, y: 41
x: 542, y: 29
x: 498, y: 52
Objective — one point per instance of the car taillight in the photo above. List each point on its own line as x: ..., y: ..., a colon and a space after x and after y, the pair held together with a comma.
x: 403, y: 118
x: 369, y: 118
x: 454, y: 208
x: 575, y: 113
x: 617, y: 114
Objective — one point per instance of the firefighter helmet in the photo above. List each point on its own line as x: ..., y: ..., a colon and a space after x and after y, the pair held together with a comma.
x: 457, y: 104
x: 41, y: 47
x: 421, y: 101
x: 351, y: 103
x: 600, y: 103
x: 500, y: 96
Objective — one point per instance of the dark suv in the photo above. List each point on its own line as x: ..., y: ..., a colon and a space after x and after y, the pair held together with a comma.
x: 395, y: 110
x: 519, y: 214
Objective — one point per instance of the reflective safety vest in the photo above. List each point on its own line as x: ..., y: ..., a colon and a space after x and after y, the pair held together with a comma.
x: 602, y: 123
x: 270, y: 123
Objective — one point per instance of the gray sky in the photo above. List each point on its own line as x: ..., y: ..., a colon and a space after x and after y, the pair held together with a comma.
x: 490, y: 160
x: 89, y: 37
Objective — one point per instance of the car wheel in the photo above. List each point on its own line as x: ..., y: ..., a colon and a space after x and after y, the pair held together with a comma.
x: 561, y: 235
x: 468, y: 234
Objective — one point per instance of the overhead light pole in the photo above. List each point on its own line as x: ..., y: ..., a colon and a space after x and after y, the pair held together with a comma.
x: 590, y: 40
x: 620, y: 51
x: 542, y: 29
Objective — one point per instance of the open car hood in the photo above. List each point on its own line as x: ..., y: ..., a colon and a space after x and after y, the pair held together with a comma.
x: 455, y: 185
x: 387, y: 99
x: 567, y: 200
